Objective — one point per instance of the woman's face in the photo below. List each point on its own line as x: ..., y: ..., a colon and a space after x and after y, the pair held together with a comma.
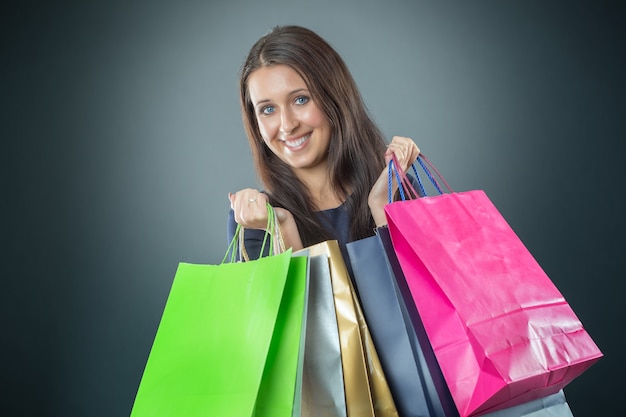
x: 290, y: 122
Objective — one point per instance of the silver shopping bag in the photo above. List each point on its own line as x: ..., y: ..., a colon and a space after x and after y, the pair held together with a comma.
x: 323, y: 391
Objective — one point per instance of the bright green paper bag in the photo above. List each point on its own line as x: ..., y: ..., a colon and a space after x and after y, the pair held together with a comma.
x: 280, y: 390
x: 229, y: 341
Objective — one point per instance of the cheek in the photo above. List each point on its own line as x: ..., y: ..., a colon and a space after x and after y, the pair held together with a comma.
x: 267, y: 128
x: 314, y: 117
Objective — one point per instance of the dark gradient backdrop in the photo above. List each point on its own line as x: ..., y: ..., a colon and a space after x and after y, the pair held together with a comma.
x: 121, y: 137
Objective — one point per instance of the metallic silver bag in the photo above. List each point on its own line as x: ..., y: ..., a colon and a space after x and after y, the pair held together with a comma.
x: 323, y: 393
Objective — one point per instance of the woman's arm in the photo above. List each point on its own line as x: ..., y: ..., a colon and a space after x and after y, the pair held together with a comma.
x: 406, y: 152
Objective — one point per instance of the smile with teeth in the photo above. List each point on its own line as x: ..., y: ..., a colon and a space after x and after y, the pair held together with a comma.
x: 297, y: 142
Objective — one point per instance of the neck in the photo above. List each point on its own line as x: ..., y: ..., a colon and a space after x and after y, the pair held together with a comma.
x: 320, y: 188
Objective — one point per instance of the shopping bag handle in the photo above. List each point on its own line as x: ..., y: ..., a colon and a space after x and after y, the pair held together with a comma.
x: 421, y: 160
x: 405, y: 185
x: 273, y: 234
x: 402, y: 180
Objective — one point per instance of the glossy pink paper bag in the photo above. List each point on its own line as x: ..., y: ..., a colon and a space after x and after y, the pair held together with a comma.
x: 502, y: 332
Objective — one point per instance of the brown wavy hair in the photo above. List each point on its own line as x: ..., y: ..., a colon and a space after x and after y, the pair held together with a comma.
x: 357, y: 146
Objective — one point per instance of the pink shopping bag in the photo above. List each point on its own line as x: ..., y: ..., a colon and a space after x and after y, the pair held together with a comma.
x: 501, y: 331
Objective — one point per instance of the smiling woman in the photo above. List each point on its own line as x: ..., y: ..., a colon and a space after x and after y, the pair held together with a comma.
x: 319, y: 155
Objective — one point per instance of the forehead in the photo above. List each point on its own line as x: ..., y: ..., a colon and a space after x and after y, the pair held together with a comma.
x: 274, y: 82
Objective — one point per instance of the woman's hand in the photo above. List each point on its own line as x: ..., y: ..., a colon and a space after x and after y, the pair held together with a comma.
x: 249, y: 207
x: 405, y: 149
x: 250, y: 210
x: 406, y: 152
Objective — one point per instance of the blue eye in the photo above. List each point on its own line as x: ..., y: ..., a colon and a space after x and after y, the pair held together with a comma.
x: 302, y: 100
x: 267, y: 110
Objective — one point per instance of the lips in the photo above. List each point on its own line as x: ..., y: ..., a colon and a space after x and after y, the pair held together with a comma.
x: 295, y: 143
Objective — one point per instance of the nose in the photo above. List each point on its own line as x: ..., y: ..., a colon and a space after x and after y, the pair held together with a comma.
x: 288, y: 122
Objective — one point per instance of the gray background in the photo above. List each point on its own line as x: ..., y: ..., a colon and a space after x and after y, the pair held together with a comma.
x: 121, y: 137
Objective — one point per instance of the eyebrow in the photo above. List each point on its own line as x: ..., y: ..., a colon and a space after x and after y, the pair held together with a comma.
x: 291, y: 93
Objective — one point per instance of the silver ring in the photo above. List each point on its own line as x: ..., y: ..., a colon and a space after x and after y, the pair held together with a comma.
x: 251, y: 200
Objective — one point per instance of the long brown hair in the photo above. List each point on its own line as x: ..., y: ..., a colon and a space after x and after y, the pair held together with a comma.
x: 356, y: 150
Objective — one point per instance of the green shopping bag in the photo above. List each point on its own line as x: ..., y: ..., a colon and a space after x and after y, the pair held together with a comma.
x: 229, y: 340
x: 281, y: 385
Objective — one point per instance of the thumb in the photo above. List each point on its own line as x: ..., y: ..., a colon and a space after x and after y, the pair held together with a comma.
x: 281, y: 214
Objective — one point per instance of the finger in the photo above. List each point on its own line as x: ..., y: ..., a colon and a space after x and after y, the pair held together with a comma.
x: 238, y: 203
x: 256, y: 204
x: 408, y: 149
x: 397, y: 149
x: 262, y: 200
x: 414, y: 152
x: 252, y: 212
x: 251, y: 199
